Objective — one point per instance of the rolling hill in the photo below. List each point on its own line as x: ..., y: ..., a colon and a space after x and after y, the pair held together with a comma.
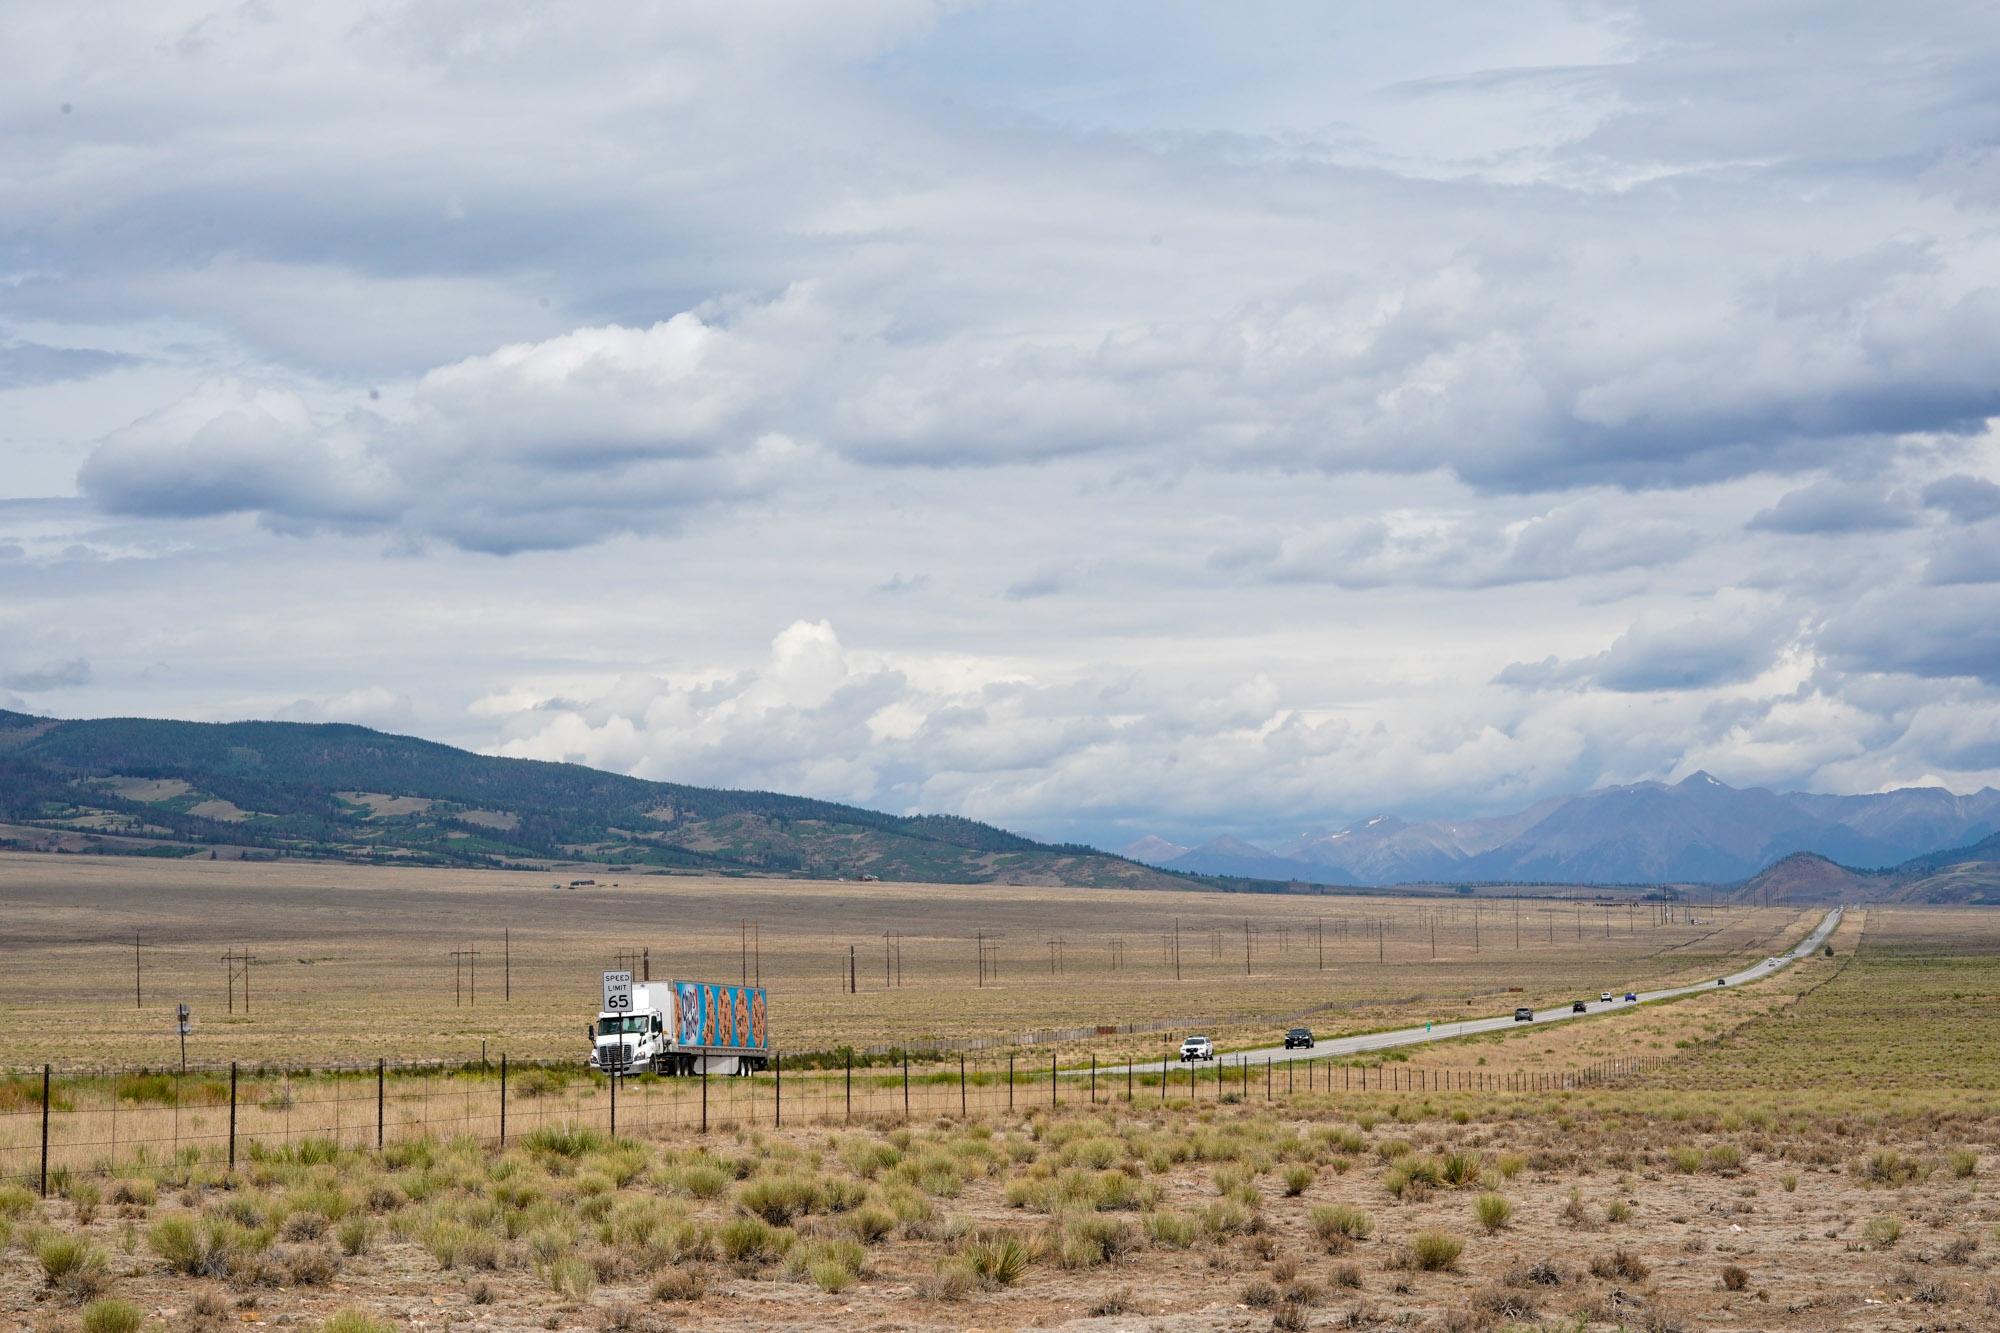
x: 1966, y: 876
x: 135, y: 786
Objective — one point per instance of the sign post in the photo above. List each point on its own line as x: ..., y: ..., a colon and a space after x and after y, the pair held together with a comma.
x: 617, y: 1000
x: 186, y: 1020
x: 618, y: 991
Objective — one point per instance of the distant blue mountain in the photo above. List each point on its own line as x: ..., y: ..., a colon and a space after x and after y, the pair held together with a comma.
x: 1698, y: 830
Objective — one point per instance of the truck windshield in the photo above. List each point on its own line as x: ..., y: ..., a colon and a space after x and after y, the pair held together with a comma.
x: 612, y: 1027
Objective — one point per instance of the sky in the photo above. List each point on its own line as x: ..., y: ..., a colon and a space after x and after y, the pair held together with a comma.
x: 1098, y: 420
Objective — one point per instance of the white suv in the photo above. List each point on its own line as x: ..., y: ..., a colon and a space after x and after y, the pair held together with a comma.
x: 1197, y: 1048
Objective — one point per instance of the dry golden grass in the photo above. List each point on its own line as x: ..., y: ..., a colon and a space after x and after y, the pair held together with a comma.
x: 353, y: 962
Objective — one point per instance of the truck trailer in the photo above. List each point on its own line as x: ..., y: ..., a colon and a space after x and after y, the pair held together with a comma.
x: 679, y: 1027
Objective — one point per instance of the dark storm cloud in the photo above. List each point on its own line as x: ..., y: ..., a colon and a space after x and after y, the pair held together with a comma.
x: 1967, y: 499
x: 1929, y: 632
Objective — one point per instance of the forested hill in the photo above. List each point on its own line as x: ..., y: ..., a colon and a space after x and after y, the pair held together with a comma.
x: 137, y: 786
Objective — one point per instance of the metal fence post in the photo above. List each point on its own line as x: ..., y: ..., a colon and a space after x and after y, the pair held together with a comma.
x: 906, y: 1085
x: 614, y: 1099
x: 778, y: 1090
x: 1093, y: 1078
x: 232, y: 1117
x: 704, y: 1092
x: 961, y: 1087
x: 381, y: 1100
x: 850, y: 1083
x: 1267, y: 1078
x: 1052, y: 1078
x: 45, y: 1129
x: 1010, y: 1082
x: 503, y: 1099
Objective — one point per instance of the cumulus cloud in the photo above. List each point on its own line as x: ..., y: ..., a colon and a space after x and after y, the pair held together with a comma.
x: 1350, y: 361
x: 1733, y: 641
x: 1458, y: 550
x: 552, y: 444
x: 371, y: 705
x: 1832, y: 507
x: 998, y: 298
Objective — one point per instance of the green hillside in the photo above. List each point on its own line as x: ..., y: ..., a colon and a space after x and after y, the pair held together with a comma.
x: 1966, y: 876
x: 135, y: 786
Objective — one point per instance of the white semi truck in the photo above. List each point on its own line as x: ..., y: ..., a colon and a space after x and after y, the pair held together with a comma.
x: 679, y: 1027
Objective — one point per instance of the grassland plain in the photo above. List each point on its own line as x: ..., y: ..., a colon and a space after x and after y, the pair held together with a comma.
x: 353, y: 963
x: 1740, y: 1187
x: 1785, y: 1167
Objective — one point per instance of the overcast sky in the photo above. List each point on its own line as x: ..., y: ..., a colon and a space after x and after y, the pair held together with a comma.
x: 1096, y: 419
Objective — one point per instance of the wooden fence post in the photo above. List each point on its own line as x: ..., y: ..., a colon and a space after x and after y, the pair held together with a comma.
x: 45, y: 1129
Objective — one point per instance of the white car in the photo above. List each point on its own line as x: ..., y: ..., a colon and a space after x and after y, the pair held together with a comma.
x: 1197, y: 1048
x: 1605, y: 998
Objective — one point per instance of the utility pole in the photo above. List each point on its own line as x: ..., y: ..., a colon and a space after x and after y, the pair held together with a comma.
x: 851, y: 987
x: 757, y: 953
x: 137, y: 1001
x: 1246, y: 946
x: 886, y: 982
x: 237, y: 963
x: 467, y: 958
x: 1321, y: 932
x: 507, y: 963
x: 979, y: 943
x: 1177, y: 948
x: 743, y: 952
x: 1434, y: 933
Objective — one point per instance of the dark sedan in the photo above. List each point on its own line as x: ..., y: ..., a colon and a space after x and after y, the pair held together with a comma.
x: 1301, y: 1037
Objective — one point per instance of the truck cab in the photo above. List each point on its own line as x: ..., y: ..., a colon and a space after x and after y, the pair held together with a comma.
x: 630, y: 1041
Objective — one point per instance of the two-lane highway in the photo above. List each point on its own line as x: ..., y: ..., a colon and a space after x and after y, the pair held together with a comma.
x: 1416, y: 1036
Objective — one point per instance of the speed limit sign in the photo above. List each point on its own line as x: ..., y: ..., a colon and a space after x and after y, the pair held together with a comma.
x: 617, y: 992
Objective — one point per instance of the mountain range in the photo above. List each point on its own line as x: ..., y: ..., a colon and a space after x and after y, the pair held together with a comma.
x: 248, y: 790
x: 1699, y: 830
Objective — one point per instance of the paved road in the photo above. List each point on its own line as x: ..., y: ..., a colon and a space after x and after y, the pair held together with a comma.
x: 1378, y: 1041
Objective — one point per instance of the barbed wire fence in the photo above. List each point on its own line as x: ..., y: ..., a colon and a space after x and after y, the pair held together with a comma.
x: 55, y: 1127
